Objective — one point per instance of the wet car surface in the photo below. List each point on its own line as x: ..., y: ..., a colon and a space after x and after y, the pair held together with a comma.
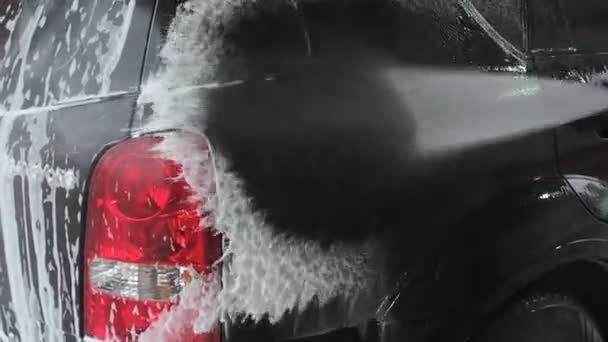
x: 72, y: 73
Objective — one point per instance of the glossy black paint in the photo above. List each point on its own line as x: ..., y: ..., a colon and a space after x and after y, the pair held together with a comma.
x: 567, y: 26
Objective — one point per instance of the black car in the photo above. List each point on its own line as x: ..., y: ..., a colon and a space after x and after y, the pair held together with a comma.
x: 361, y: 170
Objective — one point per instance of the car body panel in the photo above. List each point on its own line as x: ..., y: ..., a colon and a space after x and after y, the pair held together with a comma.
x: 257, y: 146
x: 68, y: 81
x: 566, y: 26
x: 77, y: 94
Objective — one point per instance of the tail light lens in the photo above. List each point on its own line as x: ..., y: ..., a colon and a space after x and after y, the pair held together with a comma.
x: 144, y: 234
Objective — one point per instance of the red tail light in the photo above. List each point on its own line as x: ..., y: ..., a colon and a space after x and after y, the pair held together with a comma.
x: 144, y: 234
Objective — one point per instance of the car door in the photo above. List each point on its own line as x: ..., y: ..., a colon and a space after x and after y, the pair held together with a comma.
x: 69, y: 75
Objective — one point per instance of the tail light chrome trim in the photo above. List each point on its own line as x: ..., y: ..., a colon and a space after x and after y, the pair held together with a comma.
x: 140, y: 282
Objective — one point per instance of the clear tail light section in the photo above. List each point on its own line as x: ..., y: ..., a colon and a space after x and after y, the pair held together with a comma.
x: 145, y: 234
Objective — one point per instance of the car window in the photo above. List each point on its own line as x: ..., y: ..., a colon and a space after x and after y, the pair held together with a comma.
x: 580, y: 25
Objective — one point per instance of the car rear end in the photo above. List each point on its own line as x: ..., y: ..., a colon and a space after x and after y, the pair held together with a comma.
x: 69, y: 79
x: 116, y: 174
x: 105, y: 228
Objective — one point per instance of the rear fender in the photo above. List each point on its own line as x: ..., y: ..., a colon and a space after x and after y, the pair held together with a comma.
x: 514, y: 241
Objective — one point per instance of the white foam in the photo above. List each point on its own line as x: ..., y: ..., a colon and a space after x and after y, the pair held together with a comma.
x: 201, y: 295
x: 599, y: 79
x: 42, y: 260
x: 190, y: 57
x: 270, y: 273
x: 266, y: 273
x: 32, y: 304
